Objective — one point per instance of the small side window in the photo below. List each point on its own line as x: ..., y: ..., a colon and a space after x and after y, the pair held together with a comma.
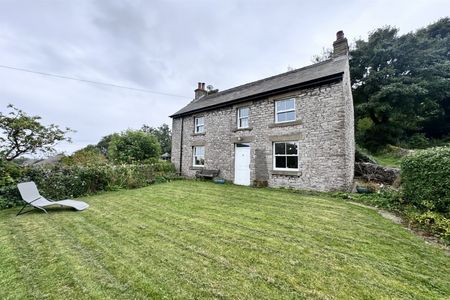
x: 243, y: 117
x: 199, y: 125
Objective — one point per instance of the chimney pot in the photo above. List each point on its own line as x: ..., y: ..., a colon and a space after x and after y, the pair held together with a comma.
x: 340, y: 46
x: 200, y: 91
x: 339, y: 35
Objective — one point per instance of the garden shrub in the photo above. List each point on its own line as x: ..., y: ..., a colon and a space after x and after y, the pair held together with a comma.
x: 60, y: 182
x: 434, y: 222
x: 386, y: 198
x: 426, y: 179
x: 418, y: 141
x: 8, y: 172
x: 133, y: 146
x: 9, y: 196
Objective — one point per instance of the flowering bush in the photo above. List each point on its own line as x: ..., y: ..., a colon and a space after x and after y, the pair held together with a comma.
x: 61, y: 182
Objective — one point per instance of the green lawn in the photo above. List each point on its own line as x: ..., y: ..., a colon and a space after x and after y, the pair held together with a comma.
x: 190, y: 239
x: 388, y: 160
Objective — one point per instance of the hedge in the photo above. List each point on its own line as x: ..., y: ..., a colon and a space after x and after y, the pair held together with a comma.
x: 426, y: 179
x: 62, y: 182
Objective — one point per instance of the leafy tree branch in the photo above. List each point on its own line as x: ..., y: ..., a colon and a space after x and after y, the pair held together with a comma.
x: 23, y: 134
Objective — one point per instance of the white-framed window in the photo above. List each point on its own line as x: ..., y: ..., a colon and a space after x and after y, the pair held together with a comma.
x: 199, y: 125
x: 285, y: 110
x: 285, y: 156
x: 242, y: 117
x: 198, y: 156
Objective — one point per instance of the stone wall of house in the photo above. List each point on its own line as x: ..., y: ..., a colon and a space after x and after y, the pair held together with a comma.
x: 176, y: 142
x: 324, y: 130
x: 349, y: 126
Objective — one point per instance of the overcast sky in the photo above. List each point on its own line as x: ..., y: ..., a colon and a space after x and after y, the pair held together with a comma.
x: 167, y: 46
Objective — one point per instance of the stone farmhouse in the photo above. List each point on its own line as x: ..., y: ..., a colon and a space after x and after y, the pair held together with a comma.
x: 291, y: 130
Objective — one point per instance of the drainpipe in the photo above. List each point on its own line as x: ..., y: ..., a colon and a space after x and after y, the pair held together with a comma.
x: 181, y: 146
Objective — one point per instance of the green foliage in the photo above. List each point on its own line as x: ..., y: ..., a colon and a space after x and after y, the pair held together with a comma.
x: 426, y: 179
x: 60, y: 182
x: 388, y: 160
x: 418, y: 141
x: 435, y: 222
x: 24, y: 134
x: 8, y: 172
x: 362, y: 155
x: 89, y: 155
x: 9, y: 196
x: 133, y: 146
x: 163, y: 134
x: 103, y: 144
x: 386, y: 198
x: 391, y: 156
x: 401, y: 84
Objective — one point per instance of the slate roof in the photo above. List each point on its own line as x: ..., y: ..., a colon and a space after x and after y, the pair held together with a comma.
x: 295, y: 77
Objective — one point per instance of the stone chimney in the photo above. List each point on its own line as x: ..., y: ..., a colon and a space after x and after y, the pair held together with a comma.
x: 200, y: 91
x: 340, y: 46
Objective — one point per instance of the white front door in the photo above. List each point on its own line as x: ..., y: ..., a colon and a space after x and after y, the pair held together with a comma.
x: 242, y: 164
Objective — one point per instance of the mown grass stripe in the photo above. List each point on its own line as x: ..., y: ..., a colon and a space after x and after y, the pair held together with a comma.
x: 191, y: 239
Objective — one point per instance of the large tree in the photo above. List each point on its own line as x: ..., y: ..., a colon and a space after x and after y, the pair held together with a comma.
x: 23, y: 134
x: 163, y: 134
x: 133, y: 146
x: 401, y: 84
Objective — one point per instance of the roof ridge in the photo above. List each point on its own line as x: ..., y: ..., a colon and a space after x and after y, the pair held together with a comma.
x: 214, y: 95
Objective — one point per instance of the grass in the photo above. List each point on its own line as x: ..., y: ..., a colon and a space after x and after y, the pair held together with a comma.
x: 190, y: 239
x: 388, y: 160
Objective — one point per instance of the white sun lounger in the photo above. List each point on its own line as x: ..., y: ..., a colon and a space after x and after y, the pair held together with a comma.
x: 31, y: 196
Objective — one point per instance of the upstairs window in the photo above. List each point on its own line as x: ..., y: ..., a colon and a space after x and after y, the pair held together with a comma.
x: 199, y: 125
x: 285, y: 110
x: 242, y: 117
x: 285, y: 156
x: 198, y: 157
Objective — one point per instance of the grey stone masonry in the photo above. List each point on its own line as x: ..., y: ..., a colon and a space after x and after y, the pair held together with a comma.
x: 323, y: 129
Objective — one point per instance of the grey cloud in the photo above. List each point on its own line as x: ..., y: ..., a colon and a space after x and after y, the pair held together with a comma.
x: 166, y: 46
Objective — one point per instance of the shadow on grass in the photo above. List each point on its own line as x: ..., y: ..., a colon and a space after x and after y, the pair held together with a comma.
x: 35, y: 211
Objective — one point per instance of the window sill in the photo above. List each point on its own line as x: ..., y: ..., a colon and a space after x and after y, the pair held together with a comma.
x: 292, y: 123
x: 198, y: 134
x: 286, y: 173
x: 196, y: 167
x: 243, y: 129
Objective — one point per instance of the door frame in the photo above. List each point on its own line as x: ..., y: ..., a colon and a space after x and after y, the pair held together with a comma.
x: 247, y: 145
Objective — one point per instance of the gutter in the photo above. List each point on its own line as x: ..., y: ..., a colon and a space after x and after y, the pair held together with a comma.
x: 299, y: 86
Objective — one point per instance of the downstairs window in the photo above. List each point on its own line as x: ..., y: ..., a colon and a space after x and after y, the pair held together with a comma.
x: 198, y: 157
x: 285, y: 156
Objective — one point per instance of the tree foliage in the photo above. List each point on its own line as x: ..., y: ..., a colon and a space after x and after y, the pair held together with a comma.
x: 163, y: 134
x: 103, y: 144
x: 90, y: 155
x: 133, y: 146
x: 401, y: 85
x: 23, y: 134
